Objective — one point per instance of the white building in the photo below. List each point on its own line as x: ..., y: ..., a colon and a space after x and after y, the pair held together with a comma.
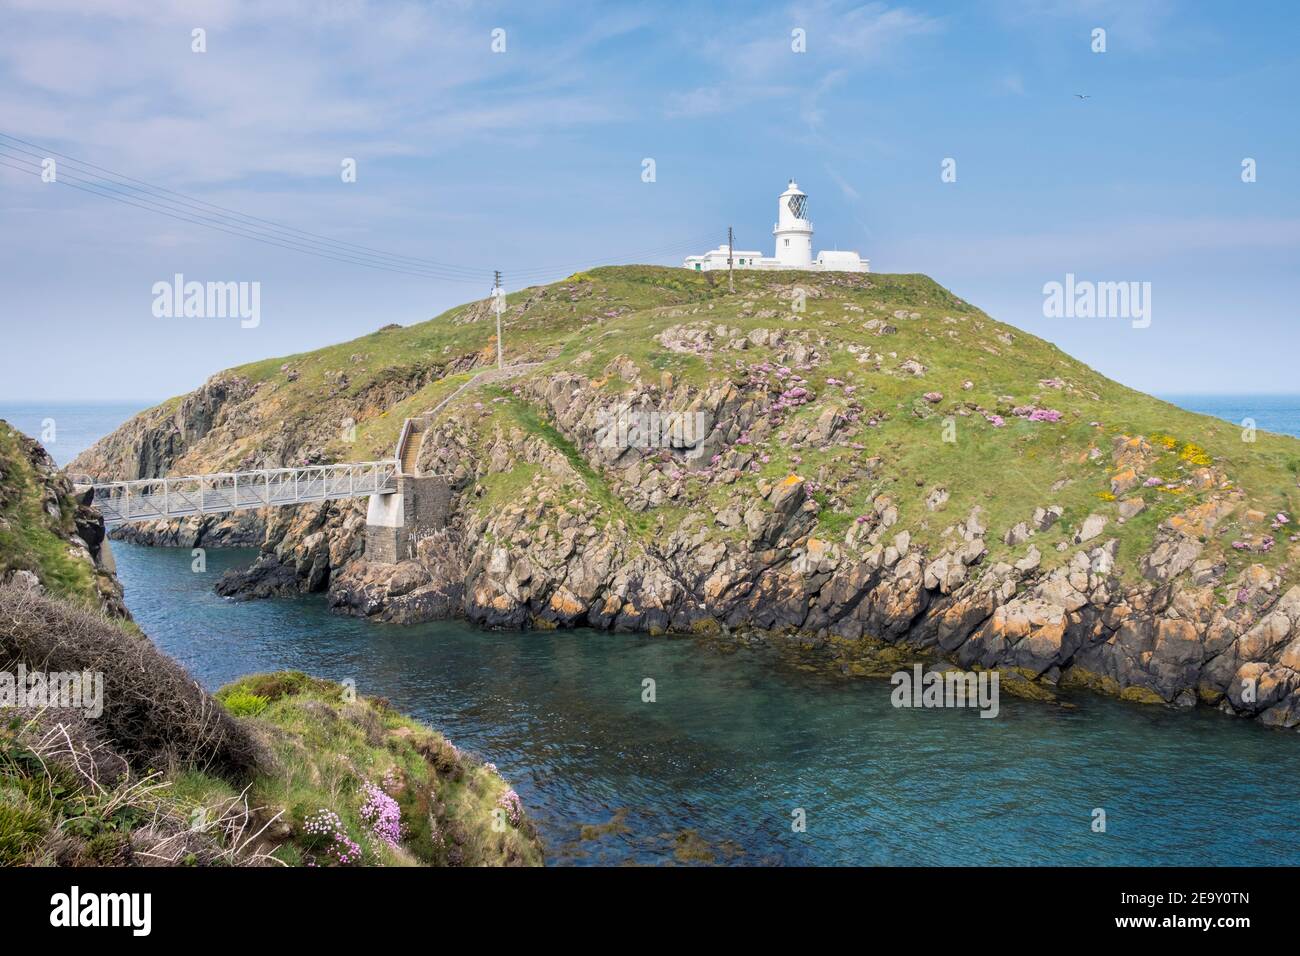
x: 793, y: 232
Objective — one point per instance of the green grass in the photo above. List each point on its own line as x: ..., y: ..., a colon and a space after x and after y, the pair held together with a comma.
x: 42, y: 798
x: 503, y: 488
x: 613, y: 507
x: 1007, y: 472
x: 376, y: 437
x: 30, y: 538
x: 327, y: 747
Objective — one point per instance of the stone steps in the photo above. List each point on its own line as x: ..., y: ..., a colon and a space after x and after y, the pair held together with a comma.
x: 409, y: 453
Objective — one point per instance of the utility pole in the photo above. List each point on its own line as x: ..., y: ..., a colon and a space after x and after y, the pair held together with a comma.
x: 498, y: 306
x: 731, y: 281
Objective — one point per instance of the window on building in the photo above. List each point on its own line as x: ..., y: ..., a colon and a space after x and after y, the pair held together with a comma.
x: 697, y: 267
x: 787, y: 242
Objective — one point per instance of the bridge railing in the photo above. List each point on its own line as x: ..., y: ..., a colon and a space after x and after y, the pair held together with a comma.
x: 151, y: 498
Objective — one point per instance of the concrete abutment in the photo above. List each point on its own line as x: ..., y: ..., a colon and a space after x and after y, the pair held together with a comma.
x: 395, y: 522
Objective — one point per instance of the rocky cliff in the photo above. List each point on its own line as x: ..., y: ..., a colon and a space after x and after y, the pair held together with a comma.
x: 866, y: 465
x: 48, y: 534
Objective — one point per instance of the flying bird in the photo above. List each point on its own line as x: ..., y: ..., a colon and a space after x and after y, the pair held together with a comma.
x: 1083, y: 96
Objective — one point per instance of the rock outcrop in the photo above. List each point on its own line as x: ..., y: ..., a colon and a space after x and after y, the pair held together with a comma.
x: 243, y: 529
x: 301, y: 547
x: 50, y: 535
x: 151, y: 443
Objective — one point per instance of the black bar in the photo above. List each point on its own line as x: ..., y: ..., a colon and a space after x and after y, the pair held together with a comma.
x: 947, y: 906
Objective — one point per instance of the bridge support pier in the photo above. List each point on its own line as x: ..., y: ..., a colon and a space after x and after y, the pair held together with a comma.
x: 395, y: 522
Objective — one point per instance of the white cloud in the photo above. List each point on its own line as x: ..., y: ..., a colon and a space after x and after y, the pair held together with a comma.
x: 756, y: 62
x: 283, y: 88
x: 703, y: 101
x: 850, y: 193
x: 1136, y: 24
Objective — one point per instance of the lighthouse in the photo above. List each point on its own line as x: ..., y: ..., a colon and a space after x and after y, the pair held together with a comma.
x: 793, y: 231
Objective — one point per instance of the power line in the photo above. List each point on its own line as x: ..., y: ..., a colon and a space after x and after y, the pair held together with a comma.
x: 225, y: 213
x: 235, y: 228
x: 75, y: 178
x: 224, y: 224
x: 95, y: 189
x: 159, y: 199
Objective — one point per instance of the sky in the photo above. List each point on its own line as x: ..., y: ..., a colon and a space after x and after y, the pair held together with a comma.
x: 531, y: 159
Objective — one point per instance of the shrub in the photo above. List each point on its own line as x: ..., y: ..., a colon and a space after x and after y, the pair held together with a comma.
x: 66, y: 800
x: 244, y: 703
x: 155, y: 715
x: 1194, y: 454
x: 279, y: 684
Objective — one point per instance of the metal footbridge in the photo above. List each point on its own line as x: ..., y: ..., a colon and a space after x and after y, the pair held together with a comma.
x: 148, y: 499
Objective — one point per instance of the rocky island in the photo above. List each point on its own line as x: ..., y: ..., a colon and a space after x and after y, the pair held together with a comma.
x: 880, y: 471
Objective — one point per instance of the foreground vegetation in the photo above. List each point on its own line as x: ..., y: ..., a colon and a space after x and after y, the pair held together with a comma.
x: 38, y: 521
x: 358, y: 783
x: 278, y: 769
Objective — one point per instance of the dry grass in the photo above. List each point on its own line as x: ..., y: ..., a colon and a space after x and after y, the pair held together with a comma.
x: 69, y: 800
x: 154, y: 714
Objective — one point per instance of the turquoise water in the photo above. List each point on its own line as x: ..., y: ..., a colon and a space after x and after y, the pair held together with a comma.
x: 735, y: 742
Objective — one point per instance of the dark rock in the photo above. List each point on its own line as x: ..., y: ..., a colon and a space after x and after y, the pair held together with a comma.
x: 266, y: 577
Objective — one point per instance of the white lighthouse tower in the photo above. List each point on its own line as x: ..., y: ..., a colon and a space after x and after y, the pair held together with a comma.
x: 793, y: 231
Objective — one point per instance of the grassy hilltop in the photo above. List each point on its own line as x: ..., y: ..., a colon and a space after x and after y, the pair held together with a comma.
x: 884, y: 463
x: 884, y: 343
